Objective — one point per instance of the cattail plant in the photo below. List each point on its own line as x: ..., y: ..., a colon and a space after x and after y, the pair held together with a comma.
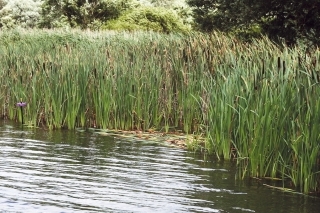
x: 256, y: 103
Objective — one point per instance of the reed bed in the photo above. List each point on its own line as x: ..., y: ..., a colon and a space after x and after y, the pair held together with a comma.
x: 257, y: 103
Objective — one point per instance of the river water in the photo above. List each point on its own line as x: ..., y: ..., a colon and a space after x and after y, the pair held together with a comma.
x: 69, y: 171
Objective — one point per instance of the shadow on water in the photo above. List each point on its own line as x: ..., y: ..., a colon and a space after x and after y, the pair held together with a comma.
x: 68, y: 171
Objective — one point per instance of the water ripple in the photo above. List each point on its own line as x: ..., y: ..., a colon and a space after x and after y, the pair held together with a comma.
x: 90, y: 173
x: 42, y: 176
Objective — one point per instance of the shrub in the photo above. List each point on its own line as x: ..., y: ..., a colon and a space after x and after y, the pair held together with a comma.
x: 156, y: 19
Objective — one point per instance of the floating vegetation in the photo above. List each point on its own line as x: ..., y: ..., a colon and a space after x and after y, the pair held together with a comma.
x: 257, y: 103
x: 173, y: 139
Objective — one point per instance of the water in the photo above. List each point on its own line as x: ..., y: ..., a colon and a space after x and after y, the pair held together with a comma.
x: 66, y: 171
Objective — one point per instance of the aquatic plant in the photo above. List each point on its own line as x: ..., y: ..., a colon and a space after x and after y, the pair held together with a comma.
x: 256, y: 103
x: 21, y: 105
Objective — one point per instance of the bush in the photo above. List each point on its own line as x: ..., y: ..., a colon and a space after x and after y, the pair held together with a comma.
x: 156, y: 19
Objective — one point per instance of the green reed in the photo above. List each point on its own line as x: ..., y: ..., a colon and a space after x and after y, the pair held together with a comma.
x: 256, y: 103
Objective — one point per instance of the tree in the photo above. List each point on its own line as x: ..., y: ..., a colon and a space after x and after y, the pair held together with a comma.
x: 287, y: 19
x: 80, y: 13
x: 19, y: 13
x: 293, y: 20
x: 218, y: 14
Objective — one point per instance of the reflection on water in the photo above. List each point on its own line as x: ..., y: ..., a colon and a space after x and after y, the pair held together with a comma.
x: 66, y: 171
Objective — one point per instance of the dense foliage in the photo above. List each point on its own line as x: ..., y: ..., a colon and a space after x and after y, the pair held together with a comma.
x: 162, y: 16
x: 149, y: 18
x: 288, y: 19
x: 281, y: 20
x: 80, y: 13
x: 21, y: 13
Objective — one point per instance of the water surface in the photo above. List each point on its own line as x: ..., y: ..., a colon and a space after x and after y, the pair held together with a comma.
x: 69, y: 171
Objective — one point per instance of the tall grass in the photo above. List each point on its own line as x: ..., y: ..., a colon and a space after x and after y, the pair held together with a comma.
x: 257, y: 103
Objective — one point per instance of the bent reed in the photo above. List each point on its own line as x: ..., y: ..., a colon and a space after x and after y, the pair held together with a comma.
x: 257, y: 103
